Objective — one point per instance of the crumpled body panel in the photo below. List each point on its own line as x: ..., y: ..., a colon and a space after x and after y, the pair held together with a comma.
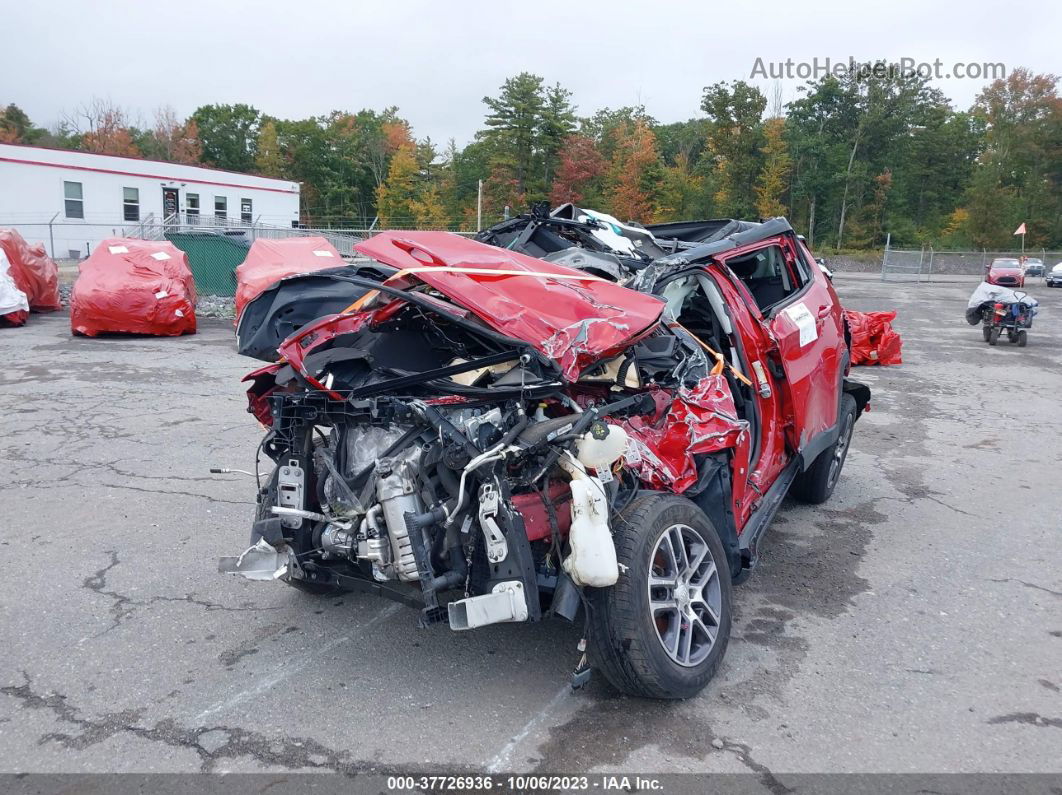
x: 33, y: 271
x: 873, y: 339
x: 691, y: 421
x: 269, y: 261
x: 135, y: 287
x: 574, y: 319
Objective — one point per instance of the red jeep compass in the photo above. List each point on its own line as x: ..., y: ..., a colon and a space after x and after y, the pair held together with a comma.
x: 490, y: 437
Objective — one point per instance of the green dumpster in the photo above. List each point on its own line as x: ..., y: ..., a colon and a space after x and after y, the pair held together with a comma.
x: 213, y: 259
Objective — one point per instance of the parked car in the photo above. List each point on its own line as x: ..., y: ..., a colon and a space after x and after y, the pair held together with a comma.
x: 1006, y: 272
x: 1033, y: 266
x: 492, y: 437
x: 1054, y: 276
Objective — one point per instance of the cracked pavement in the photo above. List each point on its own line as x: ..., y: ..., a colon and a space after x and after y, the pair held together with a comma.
x: 912, y: 624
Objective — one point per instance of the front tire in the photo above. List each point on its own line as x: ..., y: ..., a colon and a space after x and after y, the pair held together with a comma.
x: 662, y: 629
x: 815, y: 484
x: 993, y: 335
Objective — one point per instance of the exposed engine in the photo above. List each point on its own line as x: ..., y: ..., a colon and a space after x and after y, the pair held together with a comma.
x: 419, y: 452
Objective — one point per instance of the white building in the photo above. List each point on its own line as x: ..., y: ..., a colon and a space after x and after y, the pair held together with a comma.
x: 72, y: 200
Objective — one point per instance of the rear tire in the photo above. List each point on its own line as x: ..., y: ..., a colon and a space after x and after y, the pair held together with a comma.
x: 815, y: 484
x: 986, y: 332
x: 662, y: 629
x: 993, y: 335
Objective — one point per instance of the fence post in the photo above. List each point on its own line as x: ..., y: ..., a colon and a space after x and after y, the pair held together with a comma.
x: 51, y: 235
x: 929, y: 269
x: 885, y: 255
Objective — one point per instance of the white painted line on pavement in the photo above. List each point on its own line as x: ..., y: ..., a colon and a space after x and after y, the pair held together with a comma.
x: 502, y: 757
x: 268, y: 683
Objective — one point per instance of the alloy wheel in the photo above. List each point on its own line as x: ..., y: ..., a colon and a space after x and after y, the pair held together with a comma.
x: 685, y: 597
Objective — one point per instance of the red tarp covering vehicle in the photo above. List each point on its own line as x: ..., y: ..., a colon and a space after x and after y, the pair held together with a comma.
x: 135, y: 287
x: 32, y: 270
x: 14, y: 308
x: 873, y: 339
x: 269, y: 261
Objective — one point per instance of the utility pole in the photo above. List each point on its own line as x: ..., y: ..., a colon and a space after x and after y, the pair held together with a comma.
x: 479, y: 207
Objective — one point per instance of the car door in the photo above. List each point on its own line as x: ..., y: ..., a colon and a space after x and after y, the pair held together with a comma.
x: 798, y: 307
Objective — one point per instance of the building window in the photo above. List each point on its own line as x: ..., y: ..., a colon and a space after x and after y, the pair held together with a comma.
x: 191, y: 207
x: 75, y: 204
x: 221, y: 207
x: 245, y: 210
x: 131, y: 204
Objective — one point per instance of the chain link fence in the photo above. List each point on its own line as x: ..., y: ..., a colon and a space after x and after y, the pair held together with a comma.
x: 928, y: 264
x: 214, y: 246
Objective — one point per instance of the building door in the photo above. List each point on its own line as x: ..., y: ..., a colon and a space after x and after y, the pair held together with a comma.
x: 170, y: 206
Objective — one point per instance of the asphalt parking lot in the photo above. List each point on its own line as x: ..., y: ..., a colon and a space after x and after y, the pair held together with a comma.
x: 912, y: 624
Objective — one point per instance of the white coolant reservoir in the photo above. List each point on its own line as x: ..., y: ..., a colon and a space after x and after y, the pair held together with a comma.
x: 592, y: 560
x: 601, y: 446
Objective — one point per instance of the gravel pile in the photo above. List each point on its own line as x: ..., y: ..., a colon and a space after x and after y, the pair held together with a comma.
x: 215, y: 306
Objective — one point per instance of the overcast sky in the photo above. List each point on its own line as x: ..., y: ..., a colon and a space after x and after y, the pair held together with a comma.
x: 436, y: 60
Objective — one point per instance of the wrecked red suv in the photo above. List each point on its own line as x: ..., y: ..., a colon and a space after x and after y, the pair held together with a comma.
x: 490, y: 437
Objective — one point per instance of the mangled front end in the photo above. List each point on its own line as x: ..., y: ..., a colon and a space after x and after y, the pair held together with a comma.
x: 462, y: 441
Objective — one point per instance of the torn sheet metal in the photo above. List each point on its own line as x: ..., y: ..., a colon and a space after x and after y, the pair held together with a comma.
x: 701, y: 419
x: 573, y: 322
x: 259, y: 562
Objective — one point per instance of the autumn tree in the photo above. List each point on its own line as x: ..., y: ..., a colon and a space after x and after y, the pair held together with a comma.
x: 268, y: 160
x: 681, y: 192
x: 429, y: 212
x: 771, y: 183
x: 634, y: 175
x: 395, y: 198
x: 579, y: 172
x: 174, y: 140
x: 1019, y: 175
x: 103, y: 127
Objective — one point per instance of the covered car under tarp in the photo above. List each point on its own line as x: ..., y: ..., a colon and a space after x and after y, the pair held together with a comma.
x: 287, y: 305
x: 986, y: 293
x: 32, y: 270
x: 269, y: 261
x: 14, y: 306
x: 134, y: 287
x: 873, y: 339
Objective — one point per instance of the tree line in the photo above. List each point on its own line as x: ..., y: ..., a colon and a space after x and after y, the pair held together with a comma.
x: 852, y: 159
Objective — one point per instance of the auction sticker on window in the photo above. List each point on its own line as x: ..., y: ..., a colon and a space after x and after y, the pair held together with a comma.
x: 805, y: 321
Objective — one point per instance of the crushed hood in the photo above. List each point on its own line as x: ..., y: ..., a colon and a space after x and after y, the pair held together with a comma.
x: 571, y: 317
